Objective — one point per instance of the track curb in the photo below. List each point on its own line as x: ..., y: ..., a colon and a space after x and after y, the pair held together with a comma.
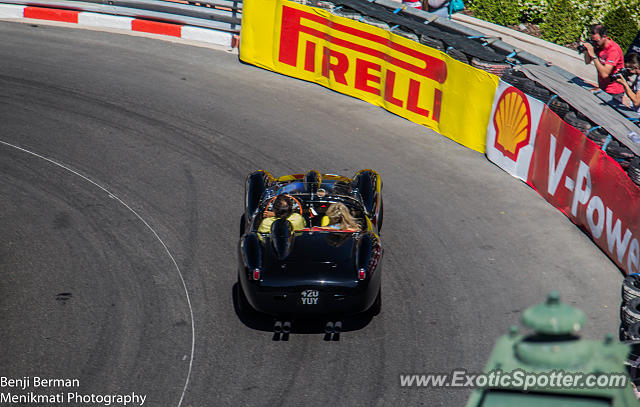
x: 90, y: 19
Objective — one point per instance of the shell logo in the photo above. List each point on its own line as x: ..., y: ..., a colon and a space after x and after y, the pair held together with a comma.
x: 512, y: 122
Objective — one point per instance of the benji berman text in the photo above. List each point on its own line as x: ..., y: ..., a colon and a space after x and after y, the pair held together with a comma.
x: 422, y: 70
x: 26, y: 382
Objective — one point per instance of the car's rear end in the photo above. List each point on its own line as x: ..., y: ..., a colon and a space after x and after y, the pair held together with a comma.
x: 318, y: 276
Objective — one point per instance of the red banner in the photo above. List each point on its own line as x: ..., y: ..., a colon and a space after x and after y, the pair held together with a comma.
x: 590, y: 187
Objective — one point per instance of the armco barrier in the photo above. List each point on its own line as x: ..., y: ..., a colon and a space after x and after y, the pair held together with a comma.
x: 222, y: 15
x: 409, y: 79
x: 216, y: 22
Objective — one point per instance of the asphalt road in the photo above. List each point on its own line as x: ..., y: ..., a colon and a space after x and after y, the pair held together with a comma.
x: 125, y: 193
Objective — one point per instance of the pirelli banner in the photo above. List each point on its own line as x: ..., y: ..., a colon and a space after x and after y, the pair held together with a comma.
x: 571, y: 172
x: 409, y: 79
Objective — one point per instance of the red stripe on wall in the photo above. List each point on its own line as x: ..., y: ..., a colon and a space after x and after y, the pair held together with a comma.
x: 155, y: 27
x: 41, y: 13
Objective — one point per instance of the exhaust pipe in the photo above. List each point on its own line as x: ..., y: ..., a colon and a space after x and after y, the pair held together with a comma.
x: 286, y: 327
x: 277, y: 327
x: 329, y: 328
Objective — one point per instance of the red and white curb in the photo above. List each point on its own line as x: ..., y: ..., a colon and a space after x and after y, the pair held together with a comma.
x: 9, y: 11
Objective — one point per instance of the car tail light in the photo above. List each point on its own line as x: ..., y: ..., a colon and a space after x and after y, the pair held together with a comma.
x: 362, y: 274
x: 256, y: 274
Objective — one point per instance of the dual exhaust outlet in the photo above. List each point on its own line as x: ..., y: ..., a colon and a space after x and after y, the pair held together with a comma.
x: 333, y: 327
x: 280, y: 327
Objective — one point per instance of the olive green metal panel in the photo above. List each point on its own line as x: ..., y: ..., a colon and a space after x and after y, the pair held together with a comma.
x: 554, y: 317
x: 508, y: 399
x: 554, y: 346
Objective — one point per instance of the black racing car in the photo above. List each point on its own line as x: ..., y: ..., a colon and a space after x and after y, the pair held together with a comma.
x: 313, y: 271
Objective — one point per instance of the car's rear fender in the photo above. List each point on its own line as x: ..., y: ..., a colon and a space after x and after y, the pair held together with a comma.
x: 255, y: 186
x: 369, y: 184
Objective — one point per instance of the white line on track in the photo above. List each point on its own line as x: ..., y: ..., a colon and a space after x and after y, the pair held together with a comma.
x: 113, y: 196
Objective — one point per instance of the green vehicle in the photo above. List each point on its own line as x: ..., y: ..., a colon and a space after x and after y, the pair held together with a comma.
x: 552, y: 366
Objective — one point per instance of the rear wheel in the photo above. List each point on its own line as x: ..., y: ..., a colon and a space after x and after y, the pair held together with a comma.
x: 376, y: 308
x: 242, y: 225
x: 244, y: 308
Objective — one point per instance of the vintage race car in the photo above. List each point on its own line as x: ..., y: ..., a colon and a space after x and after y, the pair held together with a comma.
x: 315, y: 270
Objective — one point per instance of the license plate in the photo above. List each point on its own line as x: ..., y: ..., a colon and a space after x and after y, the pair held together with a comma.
x: 309, y: 297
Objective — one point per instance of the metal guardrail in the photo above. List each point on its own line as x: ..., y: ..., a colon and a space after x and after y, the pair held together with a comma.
x: 223, y: 15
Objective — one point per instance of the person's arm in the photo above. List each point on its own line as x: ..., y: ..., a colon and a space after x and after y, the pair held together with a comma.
x: 590, y: 55
x: 587, y: 54
x: 265, y: 225
x: 603, y: 69
x: 297, y: 221
x: 634, y: 96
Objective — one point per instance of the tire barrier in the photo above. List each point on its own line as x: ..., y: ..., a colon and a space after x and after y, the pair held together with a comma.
x: 496, y: 69
x: 410, y: 25
x: 630, y: 288
x: 633, y: 361
x: 583, y: 177
x: 629, y: 331
x: 631, y: 314
x: 620, y: 153
x: 630, y: 293
x: 634, y: 170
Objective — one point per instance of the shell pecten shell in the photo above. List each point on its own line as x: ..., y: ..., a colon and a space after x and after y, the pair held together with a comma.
x: 512, y: 122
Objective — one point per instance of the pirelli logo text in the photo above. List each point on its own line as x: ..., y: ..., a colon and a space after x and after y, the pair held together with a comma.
x: 402, y: 78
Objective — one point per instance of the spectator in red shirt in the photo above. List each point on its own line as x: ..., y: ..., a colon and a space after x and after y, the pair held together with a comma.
x: 608, y: 60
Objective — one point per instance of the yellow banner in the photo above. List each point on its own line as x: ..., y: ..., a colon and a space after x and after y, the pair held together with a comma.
x: 409, y: 79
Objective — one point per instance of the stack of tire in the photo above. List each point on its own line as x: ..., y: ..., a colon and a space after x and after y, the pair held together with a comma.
x: 519, y: 81
x: 630, y: 324
x: 632, y: 363
x: 634, y: 170
x: 623, y: 155
x: 630, y: 308
x: 617, y: 151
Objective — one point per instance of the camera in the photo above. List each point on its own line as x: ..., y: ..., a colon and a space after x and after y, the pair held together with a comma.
x: 581, y: 48
x: 622, y: 73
